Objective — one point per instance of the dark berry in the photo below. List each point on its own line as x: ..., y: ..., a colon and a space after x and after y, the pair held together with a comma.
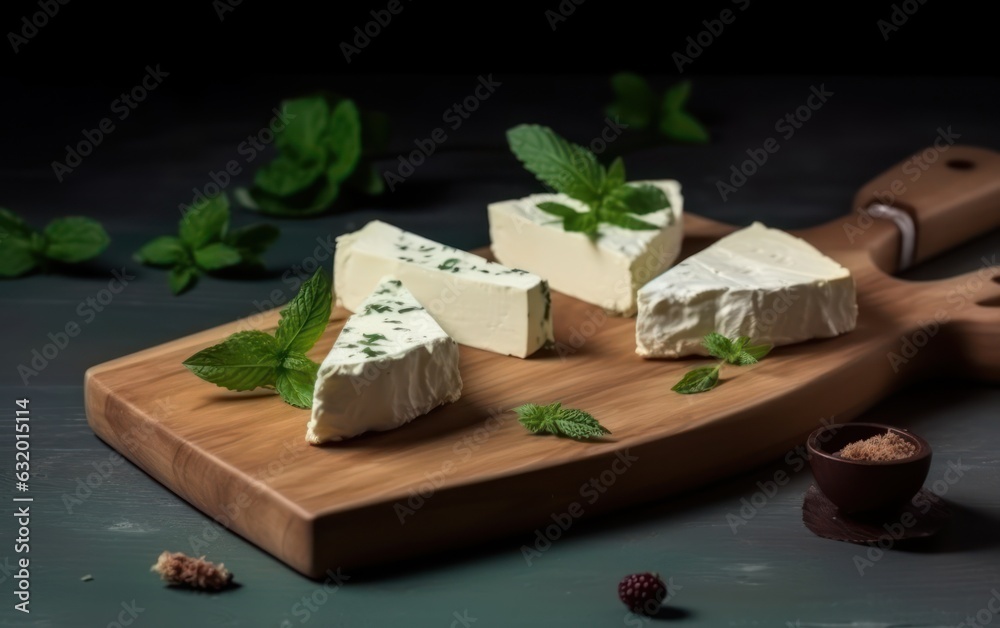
x: 642, y: 592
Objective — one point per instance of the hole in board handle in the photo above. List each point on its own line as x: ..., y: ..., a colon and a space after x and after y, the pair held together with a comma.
x: 960, y: 164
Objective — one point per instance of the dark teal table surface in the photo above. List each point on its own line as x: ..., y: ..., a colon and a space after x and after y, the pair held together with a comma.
x: 770, y: 571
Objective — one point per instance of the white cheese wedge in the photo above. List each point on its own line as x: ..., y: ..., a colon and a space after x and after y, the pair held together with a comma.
x: 757, y: 282
x: 606, y: 271
x: 478, y: 303
x: 391, y: 363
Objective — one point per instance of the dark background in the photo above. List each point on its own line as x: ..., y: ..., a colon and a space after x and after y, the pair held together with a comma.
x: 889, y: 99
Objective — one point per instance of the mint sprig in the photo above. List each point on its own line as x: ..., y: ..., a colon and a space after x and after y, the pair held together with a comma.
x: 255, y: 359
x: 736, y: 351
x: 67, y: 240
x: 321, y: 150
x: 637, y: 106
x: 205, y: 244
x: 574, y: 171
x: 554, y: 419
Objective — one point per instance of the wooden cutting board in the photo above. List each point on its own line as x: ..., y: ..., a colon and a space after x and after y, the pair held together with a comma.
x: 468, y: 471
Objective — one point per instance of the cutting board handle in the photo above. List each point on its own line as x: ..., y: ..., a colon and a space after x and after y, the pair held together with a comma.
x: 951, y: 192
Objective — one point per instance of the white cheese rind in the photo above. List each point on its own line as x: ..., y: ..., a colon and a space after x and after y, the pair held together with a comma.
x: 757, y: 282
x: 478, y: 303
x: 408, y: 371
x: 606, y: 271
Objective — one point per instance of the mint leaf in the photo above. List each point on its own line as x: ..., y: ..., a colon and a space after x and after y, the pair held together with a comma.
x: 554, y: 419
x: 12, y: 225
x: 564, y: 166
x: 306, y: 316
x: 718, y: 345
x: 75, y: 239
x: 16, y: 256
x: 244, y: 361
x: 182, y: 278
x: 754, y: 353
x: 289, y: 174
x: 296, y: 380
x: 216, y: 256
x: 367, y: 180
x: 343, y: 140
x: 616, y: 175
x: 641, y: 198
x: 307, y: 121
x: 675, y: 97
x: 557, y: 209
x: 698, y: 380
x: 681, y: 126
x: 581, y: 222
x: 635, y: 103
x: 162, y: 251
x: 252, y: 240
x: 205, y: 222
x: 625, y: 221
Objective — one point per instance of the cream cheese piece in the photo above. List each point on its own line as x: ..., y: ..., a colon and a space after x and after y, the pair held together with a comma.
x: 391, y: 363
x: 757, y: 282
x: 606, y: 271
x: 478, y: 303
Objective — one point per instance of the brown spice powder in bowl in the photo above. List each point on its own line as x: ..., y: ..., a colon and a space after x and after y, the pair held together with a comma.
x: 879, y: 448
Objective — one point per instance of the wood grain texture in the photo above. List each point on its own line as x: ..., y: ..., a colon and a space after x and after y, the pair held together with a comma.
x: 468, y: 471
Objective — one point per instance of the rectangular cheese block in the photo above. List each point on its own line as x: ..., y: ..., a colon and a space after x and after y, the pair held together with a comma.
x: 391, y: 363
x: 757, y: 282
x: 606, y: 271
x: 477, y: 302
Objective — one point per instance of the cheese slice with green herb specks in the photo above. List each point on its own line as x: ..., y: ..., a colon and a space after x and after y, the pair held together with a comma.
x: 478, y: 303
x: 391, y: 363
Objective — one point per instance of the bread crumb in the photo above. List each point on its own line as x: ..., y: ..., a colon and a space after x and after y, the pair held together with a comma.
x: 197, y: 573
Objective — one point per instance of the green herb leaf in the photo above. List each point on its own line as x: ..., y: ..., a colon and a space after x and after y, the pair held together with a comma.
x: 557, y: 209
x: 182, y: 278
x: 675, y: 97
x: 306, y: 316
x: 372, y: 353
x: 626, y: 222
x: 635, y: 103
x: 343, y: 140
x: 16, y: 256
x: 291, y: 171
x: 752, y: 354
x: 244, y: 361
x: 616, y: 175
x: 639, y: 199
x: 307, y: 121
x: 554, y: 419
x: 205, y: 222
x: 718, y: 346
x: 564, y: 166
x: 371, y: 339
x: 162, y: 251
x: 75, y: 239
x: 13, y: 225
x: 216, y: 256
x: 296, y: 380
x: 253, y: 239
x: 681, y: 126
x: 581, y: 222
x: 698, y: 380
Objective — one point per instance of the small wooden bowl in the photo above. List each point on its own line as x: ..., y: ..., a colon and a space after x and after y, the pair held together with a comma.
x: 857, y: 486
